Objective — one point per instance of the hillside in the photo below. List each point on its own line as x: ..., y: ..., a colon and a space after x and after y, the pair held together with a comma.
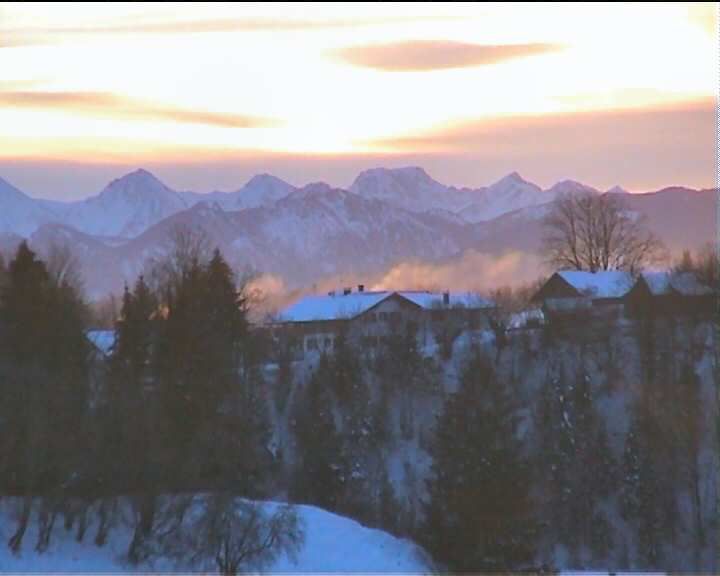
x: 332, y: 544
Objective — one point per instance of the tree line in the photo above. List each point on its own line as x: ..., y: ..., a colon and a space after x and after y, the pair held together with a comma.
x: 175, y: 411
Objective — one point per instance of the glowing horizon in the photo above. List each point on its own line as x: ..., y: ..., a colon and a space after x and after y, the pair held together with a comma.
x: 174, y: 85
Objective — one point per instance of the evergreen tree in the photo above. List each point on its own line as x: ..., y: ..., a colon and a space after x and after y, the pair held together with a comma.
x: 320, y: 475
x: 126, y: 414
x: 44, y: 387
x: 347, y: 377
x: 575, y: 462
x: 3, y: 271
x: 201, y: 361
x: 640, y: 492
x: 479, y: 516
x: 686, y: 419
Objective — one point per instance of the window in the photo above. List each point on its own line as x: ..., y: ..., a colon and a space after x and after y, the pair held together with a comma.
x: 311, y: 344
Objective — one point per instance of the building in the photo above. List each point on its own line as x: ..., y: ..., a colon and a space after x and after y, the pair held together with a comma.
x: 367, y: 317
x: 574, y: 291
x: 665, y: 293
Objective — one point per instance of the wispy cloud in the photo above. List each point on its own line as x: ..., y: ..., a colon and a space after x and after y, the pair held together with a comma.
x: 48, y: 35
x: 587, y: 129
x: 423, y: 55
x: 511, y: 268
x: 108, y: 104
x: 640, y: 148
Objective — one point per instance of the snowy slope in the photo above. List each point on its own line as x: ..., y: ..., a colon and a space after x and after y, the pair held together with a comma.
x: 410, y: 188
x: 332, y: 544
x: 260, y: 190
x: 20, y: 214
x: 507, y: 194
x: 126, y: 207
x: 571, y: 187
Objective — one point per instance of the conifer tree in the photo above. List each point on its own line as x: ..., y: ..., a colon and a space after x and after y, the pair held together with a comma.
x: 479, y: 516
x: 44, y: 390
x: 641, y: 488
x: 320, y: 475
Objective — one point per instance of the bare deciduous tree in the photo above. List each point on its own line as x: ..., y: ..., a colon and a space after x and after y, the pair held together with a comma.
x: 64, y: 267
x: 187, y: 247
x: 232, y: 533
x: 597, y: 232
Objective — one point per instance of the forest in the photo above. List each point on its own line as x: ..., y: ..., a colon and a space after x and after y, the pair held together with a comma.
x: 585, y: 442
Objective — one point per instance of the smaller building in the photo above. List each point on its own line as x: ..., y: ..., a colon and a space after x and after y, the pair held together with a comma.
x: 103, y: 341
x: 576, y: 291
x: 667, y: 293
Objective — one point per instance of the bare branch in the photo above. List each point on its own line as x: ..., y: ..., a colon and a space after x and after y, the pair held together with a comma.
x: 594, y: 232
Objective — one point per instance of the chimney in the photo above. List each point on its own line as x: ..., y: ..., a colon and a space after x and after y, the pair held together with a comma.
x: 446, y: 298
x: 361, y: 287
x: 347, y: 291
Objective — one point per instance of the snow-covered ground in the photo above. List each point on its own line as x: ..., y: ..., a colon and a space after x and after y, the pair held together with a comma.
x: 332, y: 544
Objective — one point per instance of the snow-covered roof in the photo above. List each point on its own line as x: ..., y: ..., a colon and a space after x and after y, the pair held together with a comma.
x: 431, y: 300
x: 340, y: 306
x: 333, y: 307
x: 601, y: 284
x: 103, y: 340
x: 685, y: 283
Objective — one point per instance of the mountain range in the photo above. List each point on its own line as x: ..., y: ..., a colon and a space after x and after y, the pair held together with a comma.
x: 305, y: 234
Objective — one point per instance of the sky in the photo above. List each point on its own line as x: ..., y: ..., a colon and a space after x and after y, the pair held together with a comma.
x: 207, y: 95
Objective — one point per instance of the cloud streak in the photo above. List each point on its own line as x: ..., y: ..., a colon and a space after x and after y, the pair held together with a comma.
x: 472, y: 271
x: 29, y: 36
x: 108, y: 104
x: 425, y: 55
x: 640, y: 148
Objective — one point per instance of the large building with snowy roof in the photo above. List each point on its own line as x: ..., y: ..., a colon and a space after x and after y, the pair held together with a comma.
x: 368, y: 317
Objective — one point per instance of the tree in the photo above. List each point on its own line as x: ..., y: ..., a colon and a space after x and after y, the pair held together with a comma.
x: 705, y: 265
x: 200, y: 346
x: 3, y: 271
x: 231, y: 534
x: 594, y: 232
x: 479, y: 516
x: 126, y: 452
x: 320, y: 475
x: 44, y: 388
x: 640, y: 493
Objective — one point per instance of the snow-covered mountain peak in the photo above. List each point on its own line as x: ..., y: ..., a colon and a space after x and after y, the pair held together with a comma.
x: 260, y: 190
x: 126, y: 207
x: 404, y: 177
x: 617, y: 190
x: 8, y: 191
x: 570, y: 187
x: 512, y: 181
x: 20, y: 214
x: 313, y: 189
x: 265, y: 180
x: 137, y: 184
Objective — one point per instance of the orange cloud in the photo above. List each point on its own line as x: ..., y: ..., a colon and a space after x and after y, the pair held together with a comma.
x: 424, y: 55
x: 640, y: 148
x: 473, y: 271
x: 107, y: 104
x: 705, y: 16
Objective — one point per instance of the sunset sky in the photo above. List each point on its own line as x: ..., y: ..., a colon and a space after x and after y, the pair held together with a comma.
x: 208, y: 95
